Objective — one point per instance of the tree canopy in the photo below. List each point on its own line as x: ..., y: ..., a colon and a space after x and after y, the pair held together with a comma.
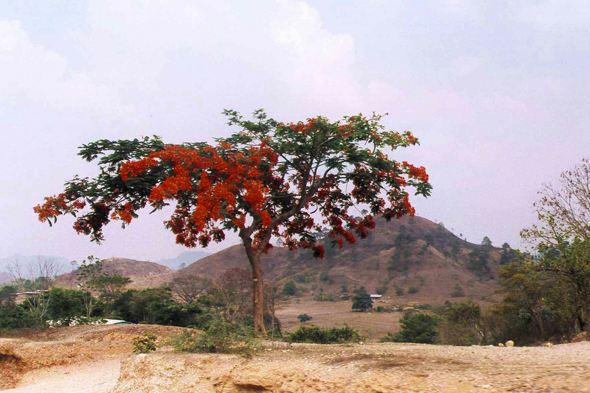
x: 270, y: 179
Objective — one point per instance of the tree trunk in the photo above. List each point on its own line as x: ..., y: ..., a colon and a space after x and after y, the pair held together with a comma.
x: 258, y: 293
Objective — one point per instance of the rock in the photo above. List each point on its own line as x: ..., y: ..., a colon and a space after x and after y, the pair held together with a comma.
x: 500, y: 344
x: 509, y: 343
x: 548, y: 345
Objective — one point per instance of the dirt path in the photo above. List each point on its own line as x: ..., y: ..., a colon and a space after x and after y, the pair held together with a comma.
x: 80, y: 378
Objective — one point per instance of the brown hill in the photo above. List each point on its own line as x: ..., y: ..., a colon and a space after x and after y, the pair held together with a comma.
x: 421, y: 257
x: 411, y: 253
x: 142, y: 273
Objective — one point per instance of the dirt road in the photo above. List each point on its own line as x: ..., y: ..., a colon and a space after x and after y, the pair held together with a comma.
x: 97, y: 377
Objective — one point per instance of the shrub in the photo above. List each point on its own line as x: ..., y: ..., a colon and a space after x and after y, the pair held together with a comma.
x: 219, y: 337
x: 144, y: 343
x: 413, y: 290
x: 290, y: 289
x: 304, y: 318
x: 458, y: 292
x: 416, y: 328
x: 362, y: 300
x: 317, y: 335
x: 381, y: 290
x: 460, y: 324
x: 324, y: 277
x: 399, y: 291
x: 324, y: 297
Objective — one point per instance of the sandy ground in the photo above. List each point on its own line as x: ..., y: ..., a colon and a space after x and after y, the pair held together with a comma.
x: 97, y: 377
x: 372, y: 368
x: 99, y: 359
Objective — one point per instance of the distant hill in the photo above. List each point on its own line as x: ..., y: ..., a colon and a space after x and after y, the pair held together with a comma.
x: 414, y: 254
x: 425, y: 260
x: 142, y: 273
x: 185, y: 258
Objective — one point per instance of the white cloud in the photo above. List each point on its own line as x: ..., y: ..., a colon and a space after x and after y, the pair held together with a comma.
x: 32, y: 72
x: 318, y: 65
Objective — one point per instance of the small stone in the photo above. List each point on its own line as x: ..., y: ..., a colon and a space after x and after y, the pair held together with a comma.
x: 509, y: 343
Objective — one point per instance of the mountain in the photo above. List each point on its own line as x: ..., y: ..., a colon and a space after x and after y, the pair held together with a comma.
x: 414, y: 254
x: 143, y: 274
x: 186, y: 258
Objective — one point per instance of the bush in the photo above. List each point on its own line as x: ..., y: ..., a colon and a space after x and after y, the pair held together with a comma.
x: 219, y: 337
x: 460, y: 324
x: 324, y: 297
x: 14, y: 316
x: 416, y: 328
x: 317, y: 335
x: 362, y: 300
x: 304, y: 318
x: 458, y: 292
x: 290, y: 289
x: 324, y: 277
x: 144, y: 343
x: 399, y: 291
x: 381, y: 290
x: 413, y: 290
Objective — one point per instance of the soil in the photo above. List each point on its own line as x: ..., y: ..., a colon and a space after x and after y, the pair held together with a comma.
x: 86, y: 359
x: 372, y: 325
x: 365, y: 368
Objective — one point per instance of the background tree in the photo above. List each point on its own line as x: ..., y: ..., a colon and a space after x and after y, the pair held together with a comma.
x: 361, y: 301
x: 88, y: 274
x: 235, y: 290
x: 271, y: 295
x: 36, y: 278
x: 266, y: 180
x: 189, y: 287
x: 290, y: 289
x: 416, y: 328
x: 561, y: 239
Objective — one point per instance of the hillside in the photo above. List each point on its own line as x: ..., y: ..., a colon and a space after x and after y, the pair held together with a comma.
x: 405, y: 253
x: 143, y: 274
x: 414, y: 254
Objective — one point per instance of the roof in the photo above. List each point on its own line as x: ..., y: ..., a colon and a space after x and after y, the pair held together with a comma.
x: 376, y: 296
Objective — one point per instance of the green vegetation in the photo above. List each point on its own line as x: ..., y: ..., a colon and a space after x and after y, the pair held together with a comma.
x: 144, y: 343
x: 416, y: 328
x: 458, y: 291
x: 220, y: 336
x: 361, y: 300
x: 290, y: 289
x: 317, y: 335
x: 304, y: 318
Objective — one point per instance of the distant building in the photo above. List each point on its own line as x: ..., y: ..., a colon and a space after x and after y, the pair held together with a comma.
x: 375, y: 296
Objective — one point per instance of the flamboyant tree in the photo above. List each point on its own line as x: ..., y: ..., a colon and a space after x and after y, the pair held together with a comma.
x: 270, y: 179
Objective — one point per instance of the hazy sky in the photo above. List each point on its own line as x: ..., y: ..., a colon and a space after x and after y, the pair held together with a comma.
x: 497, y: 91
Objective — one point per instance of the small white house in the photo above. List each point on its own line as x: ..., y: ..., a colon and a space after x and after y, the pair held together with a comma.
x: 375, y: 296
